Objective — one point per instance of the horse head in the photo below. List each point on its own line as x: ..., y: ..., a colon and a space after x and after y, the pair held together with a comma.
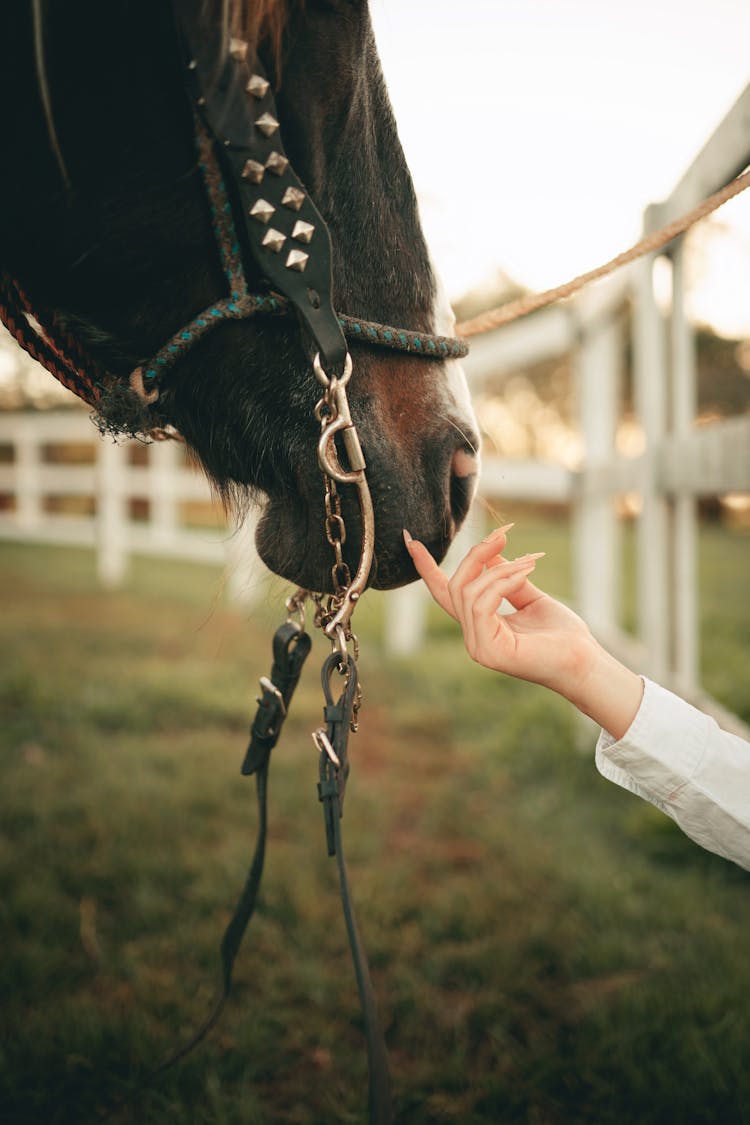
x: 106, y: 223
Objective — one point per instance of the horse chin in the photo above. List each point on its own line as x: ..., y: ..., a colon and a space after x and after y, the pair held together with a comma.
x: 293, y: 556
x: 290, y: 539
x: 283, y: 541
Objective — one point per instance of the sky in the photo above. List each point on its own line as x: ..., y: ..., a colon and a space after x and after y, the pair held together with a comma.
x: 537, y: 131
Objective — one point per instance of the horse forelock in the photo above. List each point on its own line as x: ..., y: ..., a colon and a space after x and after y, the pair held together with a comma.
x: 259, y: 21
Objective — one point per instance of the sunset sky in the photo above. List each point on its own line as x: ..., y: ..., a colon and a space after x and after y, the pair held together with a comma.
x: 538, y: 130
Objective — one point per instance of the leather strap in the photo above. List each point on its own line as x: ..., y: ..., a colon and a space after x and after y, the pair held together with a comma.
x: 279, y: 223
x: 291, y: 647
x: 334, y: 770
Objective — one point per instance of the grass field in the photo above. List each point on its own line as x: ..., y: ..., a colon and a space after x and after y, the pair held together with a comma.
x: 546, y: 948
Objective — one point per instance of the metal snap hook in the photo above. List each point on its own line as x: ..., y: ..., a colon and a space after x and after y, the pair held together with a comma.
x: 338, y: 642
x: 324, y: 379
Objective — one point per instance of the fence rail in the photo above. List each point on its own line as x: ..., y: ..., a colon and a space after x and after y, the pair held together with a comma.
x: 34, y: 474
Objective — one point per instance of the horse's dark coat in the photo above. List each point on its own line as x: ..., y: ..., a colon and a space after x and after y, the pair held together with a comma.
x: 125, y: 253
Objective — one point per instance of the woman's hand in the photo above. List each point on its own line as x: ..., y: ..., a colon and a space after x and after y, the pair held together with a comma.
x: 542, y: 641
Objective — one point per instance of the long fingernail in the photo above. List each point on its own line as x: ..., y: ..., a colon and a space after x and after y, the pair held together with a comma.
x: 498, y: 532
x: 536, y: 555
x: 407, y: 539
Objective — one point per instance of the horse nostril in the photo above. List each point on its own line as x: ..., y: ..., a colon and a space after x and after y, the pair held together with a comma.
x: 463, y: 479
x: 465, y: 463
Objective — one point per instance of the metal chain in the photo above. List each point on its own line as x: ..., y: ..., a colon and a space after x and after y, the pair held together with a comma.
x: 336, y: 536
x: 332, y: 614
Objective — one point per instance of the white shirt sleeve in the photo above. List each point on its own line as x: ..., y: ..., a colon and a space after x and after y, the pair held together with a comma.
x: 680, y: 760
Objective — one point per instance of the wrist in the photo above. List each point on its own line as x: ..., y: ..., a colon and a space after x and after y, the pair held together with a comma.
x: 604, y: 689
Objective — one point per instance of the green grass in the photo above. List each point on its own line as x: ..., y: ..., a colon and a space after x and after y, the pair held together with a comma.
x: 546, y: 948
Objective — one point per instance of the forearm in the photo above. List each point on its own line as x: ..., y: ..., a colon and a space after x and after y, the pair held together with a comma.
x: 603, y: 688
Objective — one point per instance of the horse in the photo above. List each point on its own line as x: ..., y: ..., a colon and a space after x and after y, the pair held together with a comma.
x: 105, y: 226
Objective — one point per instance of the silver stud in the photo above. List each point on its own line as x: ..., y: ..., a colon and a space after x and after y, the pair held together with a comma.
x: 297, y: 260
x: 238, y: 49
x: 303, y: 232
x: 258, y: 86
x: 253, y: 170
x: 192, y: 65
x: 262, y: 210
x: 273, y: 240
x: 267, y: 124
x: 277, y: 163
x: 293, y: 198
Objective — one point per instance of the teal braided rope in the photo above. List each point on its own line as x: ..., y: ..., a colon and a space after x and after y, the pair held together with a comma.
x: 252, y: 304
x: 241, y: 304
x: 229, y: 308
x: 402, y: 340
x: 221, y: 214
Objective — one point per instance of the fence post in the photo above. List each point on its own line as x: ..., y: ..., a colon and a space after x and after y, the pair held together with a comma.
x: 652, y: 557
x: 405, y: 620
x: 29, y: 513
x: 163, y: 493
x: 111, y: 517
x: 684, y: 560
x: 245, y: 572
x: 596, y: 528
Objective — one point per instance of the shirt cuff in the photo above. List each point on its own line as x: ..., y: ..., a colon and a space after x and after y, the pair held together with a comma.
x: 660, y: 751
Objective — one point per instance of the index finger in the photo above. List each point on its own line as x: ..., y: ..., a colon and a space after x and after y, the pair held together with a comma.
x: 480, y: 555
x: 430, y: 573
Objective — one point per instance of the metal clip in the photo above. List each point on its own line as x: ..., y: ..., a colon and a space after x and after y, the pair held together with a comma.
x: 267, y: 685
x: 323, y: 744
x: 324, y: 380
x: 338, y: 643
x: 295, y: 603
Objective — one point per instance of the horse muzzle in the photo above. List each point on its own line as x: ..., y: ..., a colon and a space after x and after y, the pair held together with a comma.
x: 426, y: 486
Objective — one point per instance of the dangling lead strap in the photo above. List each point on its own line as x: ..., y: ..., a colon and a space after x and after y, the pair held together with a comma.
x: 332, y: 742
x: 291, y: 646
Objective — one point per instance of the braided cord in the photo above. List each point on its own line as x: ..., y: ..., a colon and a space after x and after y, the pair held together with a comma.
x: 221, y: 214
x: 401, y: 339
x: 57, y: 353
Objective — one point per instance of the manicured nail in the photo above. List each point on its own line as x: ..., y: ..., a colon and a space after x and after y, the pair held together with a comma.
x: 407, y: 538
x: 498, y: 532
x: 536, y: 555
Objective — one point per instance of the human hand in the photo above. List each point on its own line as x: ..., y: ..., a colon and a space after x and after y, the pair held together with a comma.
x: 543, y: 641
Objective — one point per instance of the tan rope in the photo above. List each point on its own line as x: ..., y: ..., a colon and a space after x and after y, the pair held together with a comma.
x: 494, y: 318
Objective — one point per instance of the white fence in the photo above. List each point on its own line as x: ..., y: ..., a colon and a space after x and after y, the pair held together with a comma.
x: 106, y: 486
